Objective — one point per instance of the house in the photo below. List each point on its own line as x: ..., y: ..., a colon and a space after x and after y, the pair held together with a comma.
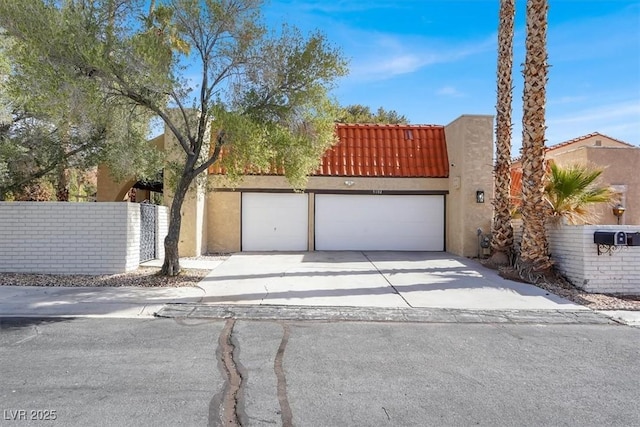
x: 618, y: 160
x: 381, y: 187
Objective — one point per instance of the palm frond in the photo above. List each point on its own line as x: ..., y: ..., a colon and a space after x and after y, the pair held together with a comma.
x: 572, y: 189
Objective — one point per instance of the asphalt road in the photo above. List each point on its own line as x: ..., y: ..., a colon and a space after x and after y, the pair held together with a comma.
x: 165, y: 372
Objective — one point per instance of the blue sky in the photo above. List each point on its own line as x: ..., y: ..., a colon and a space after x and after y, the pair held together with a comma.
x: 433, y: 60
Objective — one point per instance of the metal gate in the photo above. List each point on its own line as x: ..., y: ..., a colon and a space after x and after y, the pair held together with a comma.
x: 147, y: 232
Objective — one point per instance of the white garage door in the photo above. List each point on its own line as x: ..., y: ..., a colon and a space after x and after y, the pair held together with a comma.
x: 275, y: 222
x: 379, y: 222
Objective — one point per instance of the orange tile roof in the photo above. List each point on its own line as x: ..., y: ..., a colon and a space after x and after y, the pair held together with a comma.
x: 387, y: 151
x: 376, y: 150
x: 516, y: 186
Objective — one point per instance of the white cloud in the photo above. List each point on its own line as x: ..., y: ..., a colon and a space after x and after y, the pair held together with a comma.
x: 602, y: 113
x: 567, y: 100
x: 617, y: 119
x: 384, y: 56
x: 449, y: 91
x: 347, y: 6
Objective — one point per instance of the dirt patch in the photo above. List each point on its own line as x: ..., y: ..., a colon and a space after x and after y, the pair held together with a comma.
x: 146, y: 277
x: 565, y: 289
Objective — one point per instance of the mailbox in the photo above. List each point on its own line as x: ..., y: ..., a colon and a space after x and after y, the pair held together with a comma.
x: 633, y: 239
x: 612, y: 238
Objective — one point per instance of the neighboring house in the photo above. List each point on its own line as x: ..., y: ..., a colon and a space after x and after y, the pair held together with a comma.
x: 618, y: 160
x: 382, y: 187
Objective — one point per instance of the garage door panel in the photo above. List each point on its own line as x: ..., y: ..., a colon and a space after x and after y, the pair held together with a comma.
x: 379, y: 222
x: 275, y: 222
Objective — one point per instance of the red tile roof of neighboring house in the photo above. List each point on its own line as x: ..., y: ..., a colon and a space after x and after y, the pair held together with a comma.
x: 375, y: 150
x: 516, y: 185
x: 387, y: 151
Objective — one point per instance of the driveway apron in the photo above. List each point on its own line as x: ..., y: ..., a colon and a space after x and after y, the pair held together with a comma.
x: 370, y: 279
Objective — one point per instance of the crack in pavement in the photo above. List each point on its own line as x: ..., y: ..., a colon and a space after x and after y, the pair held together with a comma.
x: 387, y: 280
x: 266, y: 296
x: 283, y: 400
x: 225, y: 407
x: 30, y: 337
x: 386, y: 413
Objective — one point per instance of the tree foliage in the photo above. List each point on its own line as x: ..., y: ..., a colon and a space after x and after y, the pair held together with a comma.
x: 55, y: 119
x: 571, y: 190
x: 191, y: 63
x: 357, y: 113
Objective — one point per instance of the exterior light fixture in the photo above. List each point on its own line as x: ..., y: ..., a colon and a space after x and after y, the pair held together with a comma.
x: 349, y: 183
x: 479, y: 196
x: 618, y: 211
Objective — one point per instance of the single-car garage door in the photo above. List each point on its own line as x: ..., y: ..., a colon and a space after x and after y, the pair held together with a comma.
x: 379, y: 222
x: 275, y: 222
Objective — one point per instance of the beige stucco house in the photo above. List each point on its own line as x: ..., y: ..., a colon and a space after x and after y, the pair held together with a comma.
x: 619, y: 161
x: 382, y: 187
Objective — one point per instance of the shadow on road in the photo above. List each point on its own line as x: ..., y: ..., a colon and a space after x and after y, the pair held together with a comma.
x: 10, y: 323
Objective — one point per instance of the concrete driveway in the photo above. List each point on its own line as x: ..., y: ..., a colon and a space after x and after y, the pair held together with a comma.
x: 371, y: 279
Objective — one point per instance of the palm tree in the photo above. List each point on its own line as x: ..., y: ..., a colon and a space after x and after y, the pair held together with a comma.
x: 534, y: 261
x: 502, y: 231
x: 570, y: 190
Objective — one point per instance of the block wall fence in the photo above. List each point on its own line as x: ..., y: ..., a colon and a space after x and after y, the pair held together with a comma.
x: 576, y: 257
x: 72, y: 238
x: 162, y: 228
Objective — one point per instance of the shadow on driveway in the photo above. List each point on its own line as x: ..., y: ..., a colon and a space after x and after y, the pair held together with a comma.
x: 390, y: 279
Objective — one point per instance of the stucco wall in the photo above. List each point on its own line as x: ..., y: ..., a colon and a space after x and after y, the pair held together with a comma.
x: 596, y: 140
x: 224, y: 207
x: 620, y: 164
x: 69, y: 238
x: 337, y: 183
x: 223, y: 221
x: 470, y: 150
x: 111, y: 190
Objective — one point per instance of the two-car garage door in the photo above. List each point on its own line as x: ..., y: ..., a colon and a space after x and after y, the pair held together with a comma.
x: 379, y: 222
x: 280, y: 222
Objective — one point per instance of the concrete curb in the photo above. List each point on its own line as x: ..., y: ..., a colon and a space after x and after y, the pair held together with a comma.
x: 630, y: 318
x: 377, y: 314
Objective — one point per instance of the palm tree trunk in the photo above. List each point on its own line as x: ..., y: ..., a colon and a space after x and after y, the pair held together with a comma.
x: 502, y: 231
x: 534, y: 257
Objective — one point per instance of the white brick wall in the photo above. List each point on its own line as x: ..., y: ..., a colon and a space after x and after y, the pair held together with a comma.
x: 69, y: 238
x: 162, y: 228
x: 576, y: 256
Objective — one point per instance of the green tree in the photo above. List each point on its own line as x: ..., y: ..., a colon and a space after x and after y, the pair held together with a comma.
x: 54, y: 120
x: 571, y: 190
x: 357, y: 113
x: 266, y: 92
